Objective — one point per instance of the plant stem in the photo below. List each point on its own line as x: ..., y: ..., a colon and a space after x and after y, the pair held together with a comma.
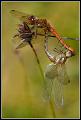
x: 52, y: 108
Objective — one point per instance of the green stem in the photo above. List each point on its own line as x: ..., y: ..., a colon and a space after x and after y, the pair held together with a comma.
x: 52, y: 108
x: 37, y: 59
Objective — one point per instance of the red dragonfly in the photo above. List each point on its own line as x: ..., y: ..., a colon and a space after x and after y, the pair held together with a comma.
x: 30, y: 27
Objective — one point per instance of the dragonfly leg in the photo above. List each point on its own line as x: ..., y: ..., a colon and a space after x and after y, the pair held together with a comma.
x: 17, y: 35
x: 35, y: 31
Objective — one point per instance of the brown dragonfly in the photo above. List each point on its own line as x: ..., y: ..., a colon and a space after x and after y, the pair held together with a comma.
x: 55, y: 73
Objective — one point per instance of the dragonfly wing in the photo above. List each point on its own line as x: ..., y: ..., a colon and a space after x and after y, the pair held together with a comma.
x: 18, y: 43
x: 20, y: 15
x: 69, y: 38
x: 57, y: 93
x: 50, y: 74
x: 51, y: 71
x: 16, y: 39
x: 62, y: 74
x: 21, y: 44
x: 53, y: 88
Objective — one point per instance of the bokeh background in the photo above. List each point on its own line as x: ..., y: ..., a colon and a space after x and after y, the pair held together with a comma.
x: 21, y: 77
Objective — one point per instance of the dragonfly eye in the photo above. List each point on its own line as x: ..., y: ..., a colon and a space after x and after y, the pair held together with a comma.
x: 60, y: 58
x: 68, y: 53
x: 32, y: 18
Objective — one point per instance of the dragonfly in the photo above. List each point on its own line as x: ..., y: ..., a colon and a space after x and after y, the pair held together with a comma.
x: 55, y: 73
x: 37, y: 23
x: 29, y: 29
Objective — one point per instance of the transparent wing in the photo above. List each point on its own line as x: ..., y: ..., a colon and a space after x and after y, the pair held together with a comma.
x: 20, y: 15
x: 53, y: 88
x: 62, y: 74
x: 21, y: 44
x: 51, y: 71
x: 57, y: 93
x: 18, y: 42
x: 50, y: 74
x: 61, y: 80
x: 55, y: 47
x: 69, y: 38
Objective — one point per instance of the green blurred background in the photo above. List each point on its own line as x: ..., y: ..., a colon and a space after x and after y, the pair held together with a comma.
x: 21, y: 78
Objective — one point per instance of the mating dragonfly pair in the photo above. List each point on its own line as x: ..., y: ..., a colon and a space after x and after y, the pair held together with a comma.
x: 55, y: 74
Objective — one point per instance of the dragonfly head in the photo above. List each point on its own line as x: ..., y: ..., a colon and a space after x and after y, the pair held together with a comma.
x: 60, y: 59
x: 32, y: 19
x: 69, y: 54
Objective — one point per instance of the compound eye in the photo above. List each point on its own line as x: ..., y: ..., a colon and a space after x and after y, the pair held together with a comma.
x: 68, y: 54
x: 32, y: 18
x: 62, y: 59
